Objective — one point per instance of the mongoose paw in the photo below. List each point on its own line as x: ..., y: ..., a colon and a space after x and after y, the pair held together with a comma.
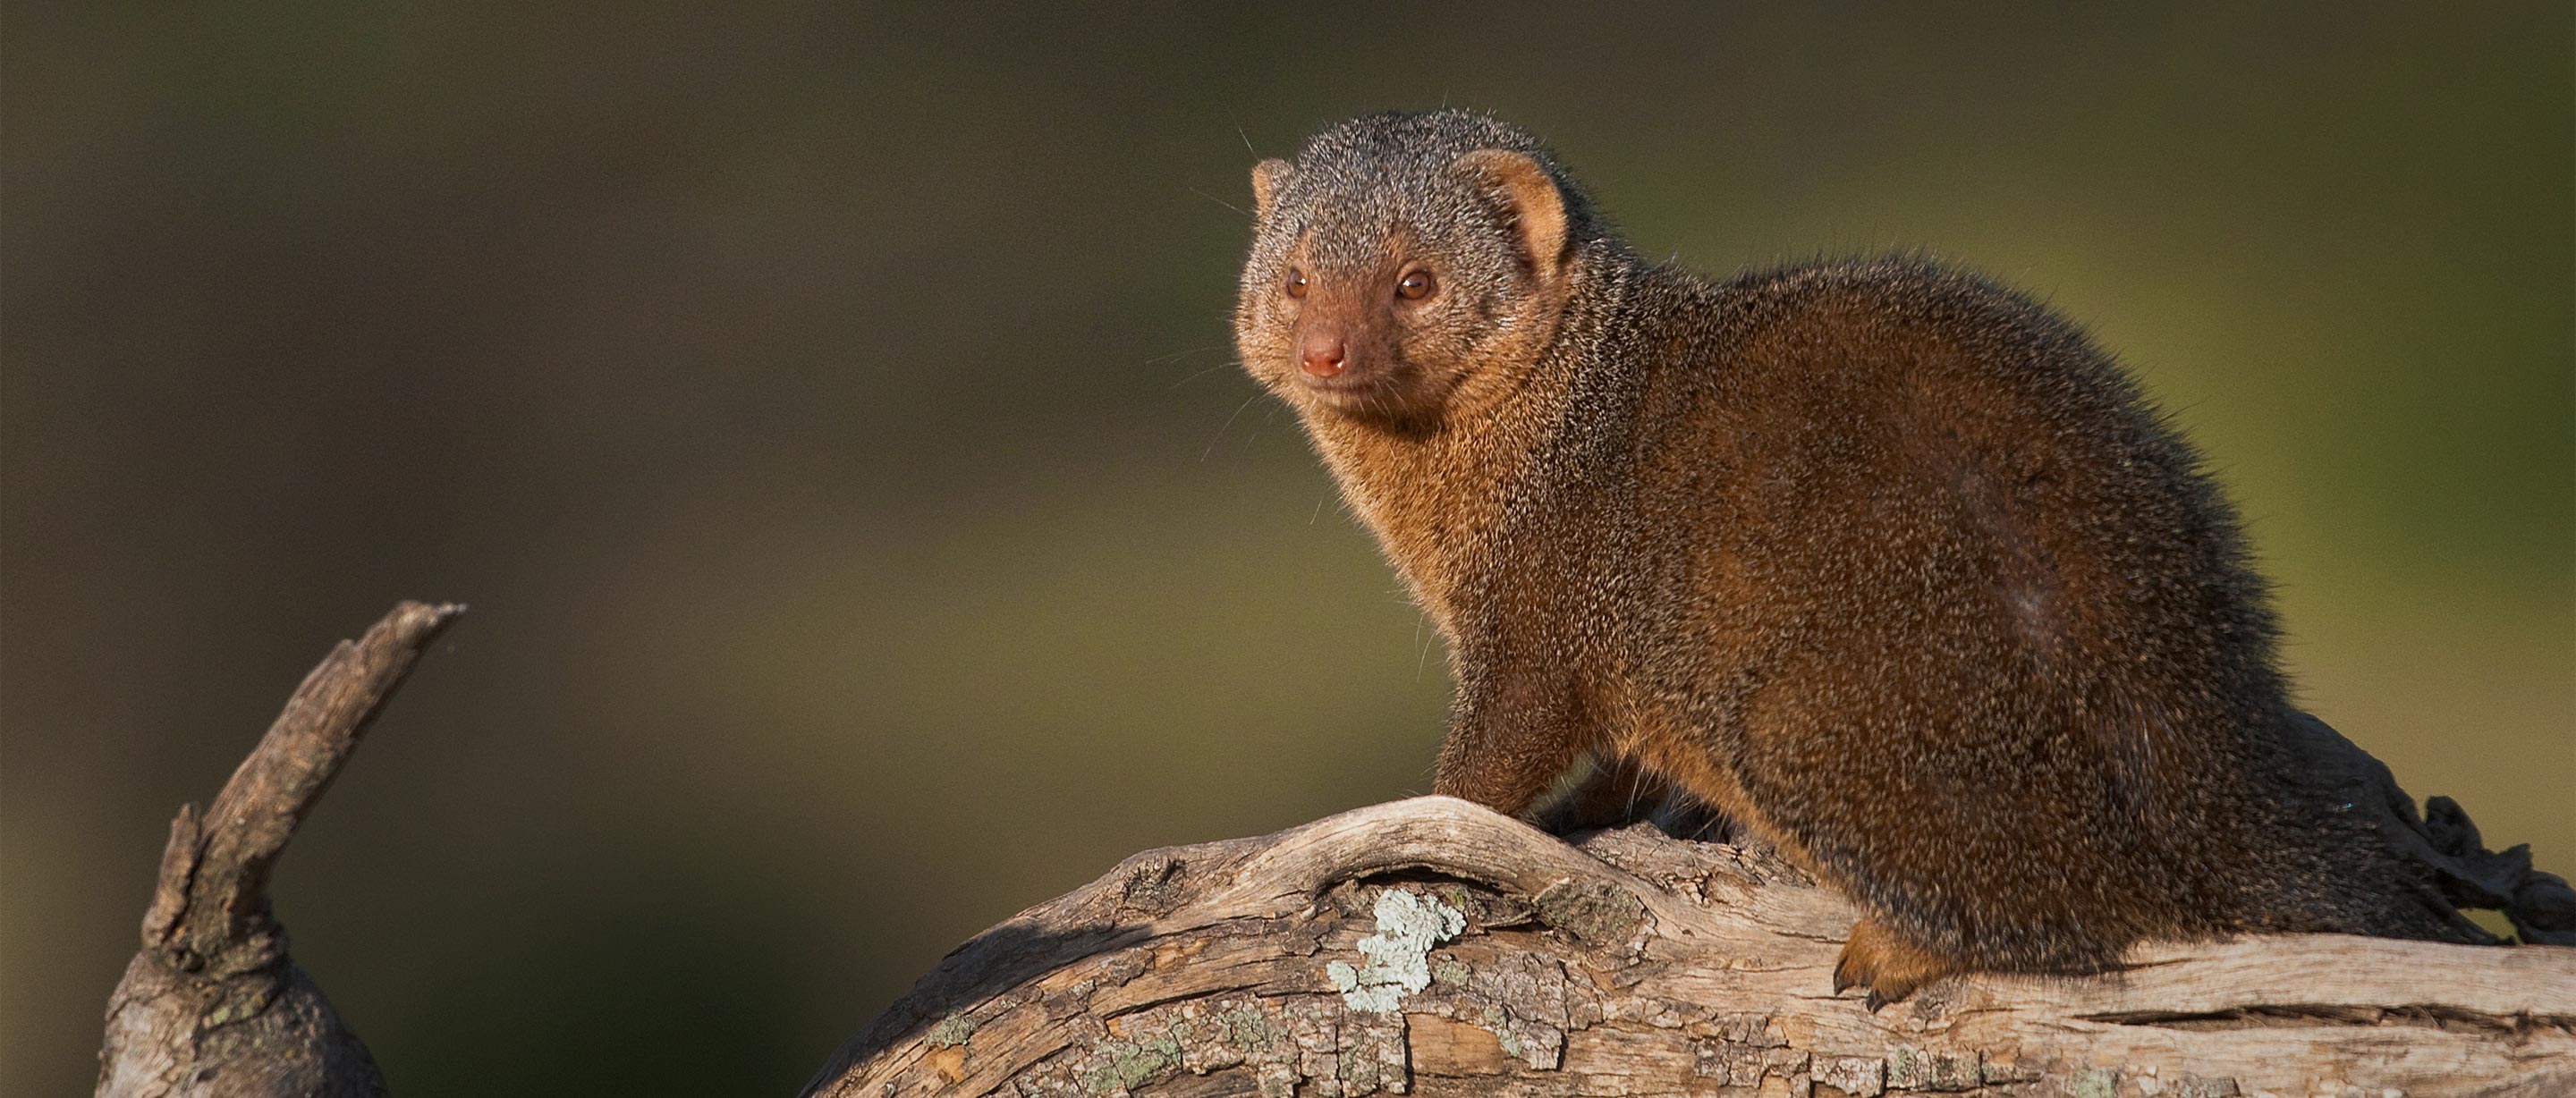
x: 1888, y: 966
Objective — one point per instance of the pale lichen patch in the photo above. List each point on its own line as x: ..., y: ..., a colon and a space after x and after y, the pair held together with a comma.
x: 951, y: 1030
x: 1937, y: 1072
x: 1398, y: 957
x: 2097, y: 1083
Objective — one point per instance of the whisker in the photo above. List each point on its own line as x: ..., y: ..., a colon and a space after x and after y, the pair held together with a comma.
x: 1179, y: 355
x: 1206, y: 372
x: 1229, y: 422
x: 1238, y: 132
x: 1256, y: 431
x: 1219, y: 201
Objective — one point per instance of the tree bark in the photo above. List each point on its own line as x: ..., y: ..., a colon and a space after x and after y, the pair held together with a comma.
x: 1433, y: 947
x: 211, y: 1006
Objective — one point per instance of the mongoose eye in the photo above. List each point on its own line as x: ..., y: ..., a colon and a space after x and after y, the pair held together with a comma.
x: 1415, y: 285
x: 1296, y: 282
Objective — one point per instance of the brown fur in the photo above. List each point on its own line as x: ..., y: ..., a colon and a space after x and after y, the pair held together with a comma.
x: 1886, y: 562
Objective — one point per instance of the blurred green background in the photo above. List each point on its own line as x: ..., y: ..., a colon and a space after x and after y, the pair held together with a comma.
x: 828, y: 412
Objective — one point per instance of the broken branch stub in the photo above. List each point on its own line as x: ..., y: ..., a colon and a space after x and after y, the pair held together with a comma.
x: 211, y: 1006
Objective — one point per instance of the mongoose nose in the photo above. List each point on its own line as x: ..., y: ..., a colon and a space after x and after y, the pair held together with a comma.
x: 1322, y: 355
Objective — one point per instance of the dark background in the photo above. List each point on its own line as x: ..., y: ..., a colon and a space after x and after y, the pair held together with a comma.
x: 828, y: 413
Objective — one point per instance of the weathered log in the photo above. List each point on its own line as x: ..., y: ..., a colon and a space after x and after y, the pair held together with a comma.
x: 1430, y: 946
x: 211, y: 1006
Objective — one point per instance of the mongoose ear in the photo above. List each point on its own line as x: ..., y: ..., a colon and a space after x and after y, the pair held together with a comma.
x: 1531, y: 195
x: 1267, y: 177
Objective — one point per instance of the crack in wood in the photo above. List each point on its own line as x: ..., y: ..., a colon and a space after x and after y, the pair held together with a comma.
x: 2298, y: 1014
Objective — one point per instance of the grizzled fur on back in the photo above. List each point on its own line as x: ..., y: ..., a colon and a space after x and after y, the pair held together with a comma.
x: 1888, y: 563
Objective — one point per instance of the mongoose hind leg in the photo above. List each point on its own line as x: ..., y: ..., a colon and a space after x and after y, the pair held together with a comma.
x: 1887, y: 965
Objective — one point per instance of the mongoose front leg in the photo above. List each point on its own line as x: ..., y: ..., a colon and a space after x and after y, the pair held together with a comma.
x: 1890, y: 967
x: 1510, y: 739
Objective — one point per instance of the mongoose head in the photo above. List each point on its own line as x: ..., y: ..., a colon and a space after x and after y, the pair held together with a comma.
x: 1408, y: 268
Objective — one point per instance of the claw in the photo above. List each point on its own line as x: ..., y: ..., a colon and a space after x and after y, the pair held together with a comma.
x: 1887, y: 965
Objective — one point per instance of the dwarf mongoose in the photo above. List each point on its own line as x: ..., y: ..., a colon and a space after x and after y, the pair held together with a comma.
x: 1888, y: 563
